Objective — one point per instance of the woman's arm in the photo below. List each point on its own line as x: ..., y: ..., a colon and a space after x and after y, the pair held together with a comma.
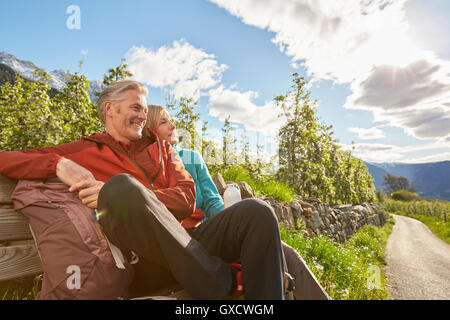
x: 212, y: 201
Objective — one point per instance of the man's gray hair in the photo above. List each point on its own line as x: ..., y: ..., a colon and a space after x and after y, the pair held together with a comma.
x: 114, y: 92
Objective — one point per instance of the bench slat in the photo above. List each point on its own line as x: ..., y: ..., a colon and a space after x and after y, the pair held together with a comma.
x: 19, y: 261
x: 7, y: 186
x: 13, y: 225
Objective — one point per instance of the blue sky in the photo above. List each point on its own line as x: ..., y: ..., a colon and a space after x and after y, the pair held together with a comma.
x: 379, y: 69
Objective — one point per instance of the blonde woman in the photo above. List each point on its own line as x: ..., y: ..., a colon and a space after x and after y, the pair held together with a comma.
x: 209, y: 203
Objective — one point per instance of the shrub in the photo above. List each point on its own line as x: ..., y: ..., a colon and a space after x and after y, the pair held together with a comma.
x: 405, y: 195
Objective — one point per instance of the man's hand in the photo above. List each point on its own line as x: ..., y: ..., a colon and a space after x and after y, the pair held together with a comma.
x: 88, y: 192
x: 79, y: 179
x: 70, y: 172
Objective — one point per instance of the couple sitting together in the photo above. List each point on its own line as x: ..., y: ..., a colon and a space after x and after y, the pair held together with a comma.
x: 123, y: 210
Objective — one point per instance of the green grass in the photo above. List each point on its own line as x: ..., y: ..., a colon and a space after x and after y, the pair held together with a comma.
x: 438, y: 227
x: 264, y: 186
x: 351, y: 271
x: 21, y: 289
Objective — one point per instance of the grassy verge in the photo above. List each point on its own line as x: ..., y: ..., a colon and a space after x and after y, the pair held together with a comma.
x: 438, y: 227
x: 21, y: 289
x: 351, y: 271
x: 264, y: 186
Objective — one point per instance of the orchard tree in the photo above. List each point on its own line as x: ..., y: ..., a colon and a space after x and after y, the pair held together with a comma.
x: 185, y: 120
x: 310, y: 159
x: 31, y: 118
x: 228, y: 144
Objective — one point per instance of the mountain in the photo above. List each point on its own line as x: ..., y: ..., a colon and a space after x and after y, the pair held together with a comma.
x: 11, y: 65
x: 432, y: 179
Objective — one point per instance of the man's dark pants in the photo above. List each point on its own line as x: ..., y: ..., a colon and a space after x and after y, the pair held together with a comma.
x: 135, y: 220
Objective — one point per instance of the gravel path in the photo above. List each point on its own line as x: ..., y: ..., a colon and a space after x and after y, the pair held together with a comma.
x: 418, y: 262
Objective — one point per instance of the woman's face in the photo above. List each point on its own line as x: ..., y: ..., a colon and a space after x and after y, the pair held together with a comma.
x: 166, y: 130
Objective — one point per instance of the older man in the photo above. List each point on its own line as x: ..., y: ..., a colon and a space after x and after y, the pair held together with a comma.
x: 140, y: 192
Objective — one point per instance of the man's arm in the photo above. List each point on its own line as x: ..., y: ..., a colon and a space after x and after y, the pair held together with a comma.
x: 48, y: 163
x: 79, y: 179
x: 29, y: 164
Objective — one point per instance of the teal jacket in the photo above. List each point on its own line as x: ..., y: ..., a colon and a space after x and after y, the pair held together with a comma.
x: 208, y: 199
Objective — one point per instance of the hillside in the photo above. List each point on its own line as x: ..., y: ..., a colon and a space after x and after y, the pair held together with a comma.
x: 432, y: 179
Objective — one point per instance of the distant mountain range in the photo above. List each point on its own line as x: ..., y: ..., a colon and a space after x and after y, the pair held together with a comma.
x: 431, y: 179
x: 10, y: 65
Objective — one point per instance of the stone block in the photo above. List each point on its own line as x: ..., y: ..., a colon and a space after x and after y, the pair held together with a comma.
x: 220, y: 183
x: 246, y: 191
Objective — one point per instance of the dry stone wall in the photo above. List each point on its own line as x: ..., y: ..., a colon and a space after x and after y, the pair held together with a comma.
x: 338, y: 222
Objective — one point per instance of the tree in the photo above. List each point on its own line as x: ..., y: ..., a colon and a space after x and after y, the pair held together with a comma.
x: 32, y: 118
x: 310, y: 159
x: 185, y: 119
x: 25, y: 110
x: 395, y: 183
x: 303, y: 142
x: 118, y: 73
x: 228, y: 145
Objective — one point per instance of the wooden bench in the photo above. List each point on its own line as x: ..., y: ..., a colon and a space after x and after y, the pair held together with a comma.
x: 19, y: 257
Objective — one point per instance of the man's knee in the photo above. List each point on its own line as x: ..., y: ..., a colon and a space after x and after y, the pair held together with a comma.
x: 121, y: 186
x: 260, y: 212
x: 122, y: 192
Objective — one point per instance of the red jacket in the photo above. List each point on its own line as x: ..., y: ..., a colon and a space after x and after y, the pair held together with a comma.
x: 152, y: 162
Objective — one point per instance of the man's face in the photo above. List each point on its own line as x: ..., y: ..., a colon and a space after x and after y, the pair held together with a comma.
x: 126, y: 118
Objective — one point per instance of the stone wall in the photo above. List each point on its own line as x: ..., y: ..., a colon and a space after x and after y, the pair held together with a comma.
x: 338, y: 222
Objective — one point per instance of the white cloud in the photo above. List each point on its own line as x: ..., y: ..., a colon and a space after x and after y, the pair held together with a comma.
x: 364, y: 43
x: 241, y: 108
x: 433, y: 158
x: 415, y: 97
x: 390, y: 87
x: 379, y: 152
x: 375, y: 152
x: 368, y: 134
x: 336, y: 40
x: 185, y: 70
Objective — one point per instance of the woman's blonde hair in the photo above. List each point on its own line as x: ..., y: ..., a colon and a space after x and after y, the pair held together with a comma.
x: 155, y: 112
x: 114, y: 93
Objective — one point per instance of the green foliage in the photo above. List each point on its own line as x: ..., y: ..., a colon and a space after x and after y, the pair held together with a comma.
x: 264, y: 186
x: 21, y: 289
x: 405, y: 195
x: 310, y: 159
x: 31, y: 118
x: 185, y: 119
x: 434, y: 208
x: 118, y: 73
x: 380, y: 195
x: 344, y: 270
x: 228, y: 145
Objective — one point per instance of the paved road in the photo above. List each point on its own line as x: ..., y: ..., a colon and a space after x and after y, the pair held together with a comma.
x: 418, y: 263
